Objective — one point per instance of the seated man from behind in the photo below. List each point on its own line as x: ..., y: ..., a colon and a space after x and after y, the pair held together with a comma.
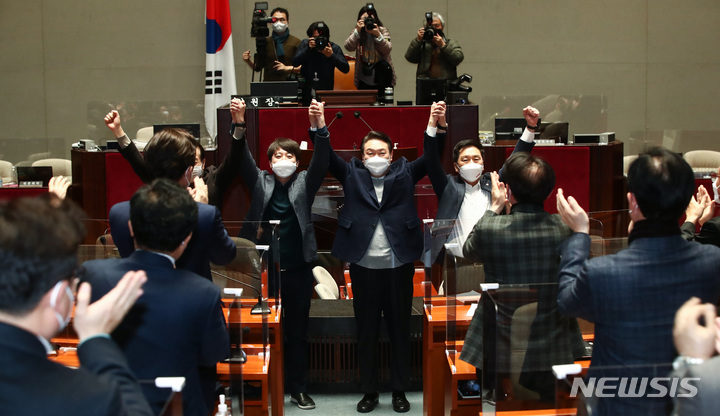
x: 632, y: 295
x: 521, y: 248
x: 177, y: 327
x: 38, y: 256
x: 170, y: 154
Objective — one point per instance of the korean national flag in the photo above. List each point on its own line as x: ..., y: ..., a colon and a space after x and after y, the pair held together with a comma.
x: 219, y: 61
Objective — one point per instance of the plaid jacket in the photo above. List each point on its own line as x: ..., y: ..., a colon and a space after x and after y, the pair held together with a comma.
x: 521, y: 248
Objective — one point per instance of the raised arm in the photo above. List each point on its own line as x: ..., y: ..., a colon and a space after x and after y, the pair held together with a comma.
x: 431, y: 150
x: 321, y: 154
x: 247, y: 167
x: 127, y: 148
x: 230, y: 166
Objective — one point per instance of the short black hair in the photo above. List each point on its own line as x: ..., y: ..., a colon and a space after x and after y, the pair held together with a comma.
x: 162, y: 215
x: 281, y: 10
x: 376, y: 135
x: 530, y: 178
x: 321, y: 27
x: 288, y: 145
x: 39, y: 241
x: 462, y: 144
x: 169, y: 153
x: 662, y: 182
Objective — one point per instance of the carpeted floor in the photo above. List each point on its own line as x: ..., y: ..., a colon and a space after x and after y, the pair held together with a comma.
x: 345, y: 404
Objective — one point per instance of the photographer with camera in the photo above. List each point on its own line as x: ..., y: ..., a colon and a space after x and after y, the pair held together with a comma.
x: 370, y: 41
x: 319, y: 57
x: 437, y: 56
x: 278, y: 53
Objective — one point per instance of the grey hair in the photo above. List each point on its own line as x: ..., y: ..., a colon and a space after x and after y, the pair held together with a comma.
x: 439, y: 17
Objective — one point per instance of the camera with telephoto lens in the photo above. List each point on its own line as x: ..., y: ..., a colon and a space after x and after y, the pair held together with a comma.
x: 370, y: 19
x: 260, y: 20
x: 429, y: 29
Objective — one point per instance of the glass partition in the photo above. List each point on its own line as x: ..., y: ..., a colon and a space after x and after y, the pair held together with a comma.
x: 523, y: 336
x: 610, y: 390
x: 435, y: 234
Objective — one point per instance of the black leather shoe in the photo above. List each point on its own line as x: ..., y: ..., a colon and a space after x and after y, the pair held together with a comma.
x: 399, y: 402
x: 303, y: 401
x: 368, y: 402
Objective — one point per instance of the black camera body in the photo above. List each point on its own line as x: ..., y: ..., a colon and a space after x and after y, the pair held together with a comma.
x: 321, y: 42
x: 259, y: 24
x: 370, y: 23
x: 429, y: 29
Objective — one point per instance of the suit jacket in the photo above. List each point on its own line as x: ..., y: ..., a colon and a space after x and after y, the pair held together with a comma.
x: 217, y: 179
x: 30, y: 384
x: 632, y: 297
x: 209, y: 243
x: 175, y: 329
x: 450, y: 189
x: 302, y: 191
x: 707, y: 401
x: 709, y: 233
x: 521, y: 248
x: 449, y: 58
x: 362, y: 211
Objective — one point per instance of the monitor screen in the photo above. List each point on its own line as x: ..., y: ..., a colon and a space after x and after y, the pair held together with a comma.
x: 509, y: 128
x: 192, y: 128
x: 34, y: 176
x: 428, y: 90
x: 554, y: 131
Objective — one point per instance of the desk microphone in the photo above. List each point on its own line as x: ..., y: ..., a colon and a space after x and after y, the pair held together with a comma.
x: 338, y: 115
x: 261, y: 307
x: 358, y: 116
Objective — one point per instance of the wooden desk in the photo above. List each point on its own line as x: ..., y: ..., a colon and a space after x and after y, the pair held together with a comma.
x: 8, y: 192
x: 254, y: 369
x: 435, y: 321
x: 275, y: 369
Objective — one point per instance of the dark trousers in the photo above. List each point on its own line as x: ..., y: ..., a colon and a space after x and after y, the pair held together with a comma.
x: 388, y: 293
x: 296, y: 290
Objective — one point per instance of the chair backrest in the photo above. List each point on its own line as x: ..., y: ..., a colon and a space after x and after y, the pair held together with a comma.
x: 325, y: 280
x: 60, y: 166
x: 627, y: 160
x: 519, y: 335
x: 143, y: 136
x: 703, y: 159
x: 5, y: 169
x: 345, y: 81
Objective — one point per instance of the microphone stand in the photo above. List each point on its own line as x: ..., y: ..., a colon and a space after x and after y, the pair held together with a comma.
x: 358, y: 116
x: 260, y: 308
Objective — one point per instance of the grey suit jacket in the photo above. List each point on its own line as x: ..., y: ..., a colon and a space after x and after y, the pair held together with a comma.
x: 632, y: 297
x: 302, y: 191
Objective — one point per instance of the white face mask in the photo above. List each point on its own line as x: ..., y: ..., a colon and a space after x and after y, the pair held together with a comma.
x: 196, y: 172
x: 279, y: 27
x: 377, y: 165
x: 284, y: 168
x: 471, y: 172
x: 62, y: 322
